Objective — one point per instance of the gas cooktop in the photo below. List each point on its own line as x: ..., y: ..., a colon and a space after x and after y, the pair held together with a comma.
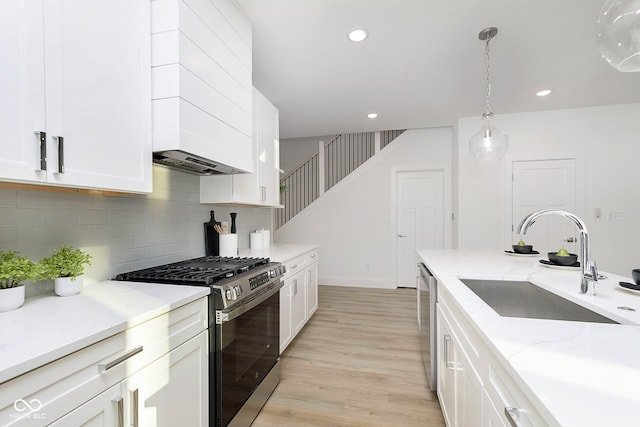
x: 202, y: 271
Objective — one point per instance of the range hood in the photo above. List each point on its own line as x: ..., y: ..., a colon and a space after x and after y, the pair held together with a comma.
x: 191, y: 163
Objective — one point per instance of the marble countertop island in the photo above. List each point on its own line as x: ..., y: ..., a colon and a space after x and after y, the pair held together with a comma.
x: 578, y: 373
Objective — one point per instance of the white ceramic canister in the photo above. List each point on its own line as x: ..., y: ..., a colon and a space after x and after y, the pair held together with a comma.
x: 229, y: 245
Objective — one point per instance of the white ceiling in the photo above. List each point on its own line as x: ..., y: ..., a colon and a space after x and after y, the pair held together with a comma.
x: 423, y: 64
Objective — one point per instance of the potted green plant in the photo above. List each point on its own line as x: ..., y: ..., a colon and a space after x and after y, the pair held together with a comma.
x: 14, y: 270
x: 66, y: 267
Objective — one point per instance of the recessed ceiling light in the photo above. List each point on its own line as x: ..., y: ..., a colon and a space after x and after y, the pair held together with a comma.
x: 358, y: 35
x: 372, y: 115
x: 543, y: 92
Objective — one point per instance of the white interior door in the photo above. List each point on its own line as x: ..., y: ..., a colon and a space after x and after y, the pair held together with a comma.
x: 545, y: 184
x: 419, y: 220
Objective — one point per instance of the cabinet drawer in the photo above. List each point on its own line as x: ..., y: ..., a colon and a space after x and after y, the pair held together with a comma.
x: 42, y: 395
x: 504, y: 393
x: 468, y: 338
x: 311, y: 256
x: 295, y: 265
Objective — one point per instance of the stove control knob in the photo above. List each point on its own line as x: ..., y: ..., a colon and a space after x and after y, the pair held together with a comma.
x: 238, y: 290
x: 230, y: 294
x: 272, y: 274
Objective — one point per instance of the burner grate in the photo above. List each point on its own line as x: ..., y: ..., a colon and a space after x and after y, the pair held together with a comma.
x: 198, y: 271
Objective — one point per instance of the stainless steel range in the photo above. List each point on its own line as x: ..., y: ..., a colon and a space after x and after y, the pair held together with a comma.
x: 244, y: 329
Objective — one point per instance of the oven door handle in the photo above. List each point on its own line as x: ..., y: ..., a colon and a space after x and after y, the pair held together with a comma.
x: 223, y: 316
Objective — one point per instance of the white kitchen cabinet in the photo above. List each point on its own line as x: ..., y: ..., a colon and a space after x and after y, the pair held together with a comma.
x: 446, y: 369
x: 474, y: 388
x: 173, y: 390
x: 312, y: 283
x: 165, y: 359
x: 298, y: 296
x: 262, y: 187
x: 491, y: 415
x: 106, y: 409
x: 298, y: 301
x: 76, y: 84
x: 286, y: 331
x: 202, y: 80
x: 459, y: 386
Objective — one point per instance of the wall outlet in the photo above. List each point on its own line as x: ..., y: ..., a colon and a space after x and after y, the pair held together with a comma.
x: 617, y: 216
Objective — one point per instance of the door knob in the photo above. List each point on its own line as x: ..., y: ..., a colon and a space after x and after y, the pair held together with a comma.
x: 402, y: 235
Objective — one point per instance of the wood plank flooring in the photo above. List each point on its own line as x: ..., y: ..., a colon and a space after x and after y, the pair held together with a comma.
x: 356, y: 363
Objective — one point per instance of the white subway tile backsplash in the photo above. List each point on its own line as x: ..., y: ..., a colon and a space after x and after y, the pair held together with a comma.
x: 29, y: 216
x: 37, y: 199
x: 120, y: 217
x: 86, y: 216
x: 123, y: 232
x: 108, y: 231
x: 8, y: 216
x: 8, y: 198
x: 133, y: 255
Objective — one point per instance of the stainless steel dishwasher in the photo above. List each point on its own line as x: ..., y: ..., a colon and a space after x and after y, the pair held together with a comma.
x: 428, y: 293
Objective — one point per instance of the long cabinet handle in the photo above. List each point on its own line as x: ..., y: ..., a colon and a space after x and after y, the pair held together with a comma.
x: 42, y: 141
x: 295, y: 287
x: 447, y: 344
x: 135, y: 408
x: 106, y: 366
x: 60, y: 141
x: 120, y: 403
x: 513, y: 416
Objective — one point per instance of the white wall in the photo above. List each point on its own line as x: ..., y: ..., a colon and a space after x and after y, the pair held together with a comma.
x: 122, y: 233
x: 353, y: 223
x: 606, y: 143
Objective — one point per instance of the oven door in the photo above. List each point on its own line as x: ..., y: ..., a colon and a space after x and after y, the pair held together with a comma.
x: 246, y: 348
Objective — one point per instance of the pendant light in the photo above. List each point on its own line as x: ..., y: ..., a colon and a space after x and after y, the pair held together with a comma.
x: 490, y: 144
x: 619, y: 34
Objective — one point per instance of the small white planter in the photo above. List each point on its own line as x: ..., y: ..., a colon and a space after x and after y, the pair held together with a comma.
x: 11, y: 298
x: 65, y: 287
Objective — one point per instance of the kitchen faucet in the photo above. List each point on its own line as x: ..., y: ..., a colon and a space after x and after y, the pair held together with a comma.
x: 589, y: 274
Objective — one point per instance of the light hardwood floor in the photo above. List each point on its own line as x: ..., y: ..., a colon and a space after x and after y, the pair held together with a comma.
x: 356, y: 363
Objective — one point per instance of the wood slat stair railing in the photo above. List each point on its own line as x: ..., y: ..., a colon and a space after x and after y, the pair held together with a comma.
x: 341, y: 156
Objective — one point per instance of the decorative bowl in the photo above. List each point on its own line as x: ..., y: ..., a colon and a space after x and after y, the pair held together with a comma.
x: 562, y: 260
x: 522, y: 249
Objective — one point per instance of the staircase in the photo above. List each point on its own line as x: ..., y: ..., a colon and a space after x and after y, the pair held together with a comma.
x: 320, y: 172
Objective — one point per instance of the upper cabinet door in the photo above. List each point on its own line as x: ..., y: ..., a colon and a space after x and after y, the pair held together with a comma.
x: 76, y: 76
x: 98, y: 93
x: 22, y: 116
x: 268, y: 143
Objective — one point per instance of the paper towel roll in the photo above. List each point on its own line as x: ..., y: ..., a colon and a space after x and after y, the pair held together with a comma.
x: 229, y: 245
x: 256, y: 240
x: 266, y: 238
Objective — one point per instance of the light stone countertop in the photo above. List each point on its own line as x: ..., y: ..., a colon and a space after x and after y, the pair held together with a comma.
x: 48, y: 327
x: 279, y: 252
x: 581, y: 374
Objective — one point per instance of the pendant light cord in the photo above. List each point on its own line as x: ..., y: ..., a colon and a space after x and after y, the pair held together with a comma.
x: 488, y: 112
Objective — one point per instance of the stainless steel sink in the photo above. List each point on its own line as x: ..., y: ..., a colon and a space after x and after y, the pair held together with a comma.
x: 524, y: 299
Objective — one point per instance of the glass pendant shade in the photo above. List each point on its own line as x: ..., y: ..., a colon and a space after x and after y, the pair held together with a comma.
x: 619, y: 34
x: 488, y: 145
